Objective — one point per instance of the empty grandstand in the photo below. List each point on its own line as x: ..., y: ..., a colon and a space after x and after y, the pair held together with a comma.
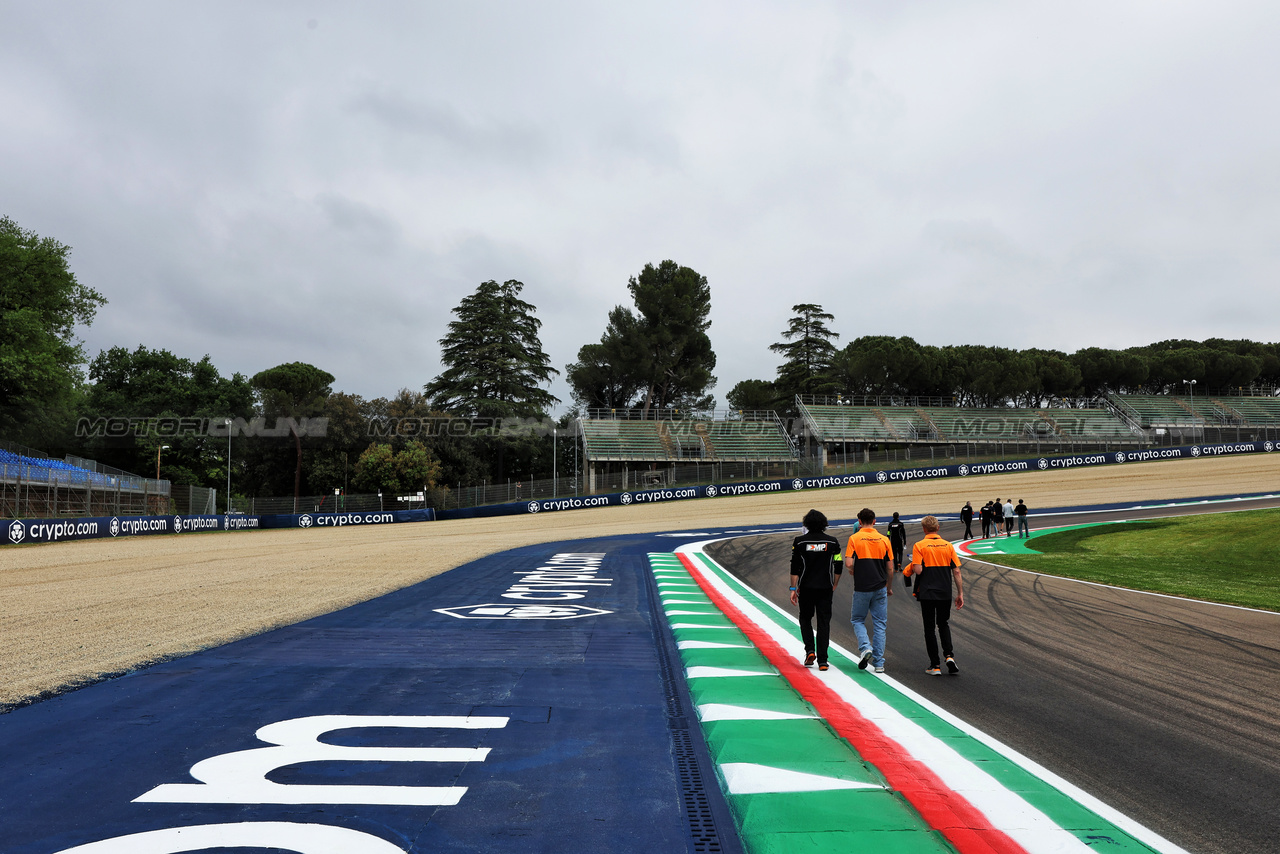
x: 631, y: 449
x: 831, y: 421
x: 33, y: 484
x: 1211, y: 417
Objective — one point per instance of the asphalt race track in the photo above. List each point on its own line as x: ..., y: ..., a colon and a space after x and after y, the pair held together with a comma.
x: 1163, y: 708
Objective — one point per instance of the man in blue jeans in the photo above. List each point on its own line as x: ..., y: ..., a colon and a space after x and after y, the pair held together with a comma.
x: 1021, y: 512
x: 869, y: 558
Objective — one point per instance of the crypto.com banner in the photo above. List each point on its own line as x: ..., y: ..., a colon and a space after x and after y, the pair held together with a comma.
x: 21, y: 531
x: 953, y: 470
x: 339, y: 520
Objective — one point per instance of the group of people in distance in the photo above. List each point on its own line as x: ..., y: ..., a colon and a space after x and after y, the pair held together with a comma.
x: 995, y: 515
x: 818, y: 563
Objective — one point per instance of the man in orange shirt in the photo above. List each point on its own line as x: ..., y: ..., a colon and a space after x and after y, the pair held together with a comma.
x: 935, y: 564
x: 869, y: 558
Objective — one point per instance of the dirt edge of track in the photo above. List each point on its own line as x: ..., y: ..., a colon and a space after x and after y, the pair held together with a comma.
x: 74, y: 613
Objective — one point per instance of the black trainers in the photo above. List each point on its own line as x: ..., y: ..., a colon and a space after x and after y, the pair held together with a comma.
x: 952, y: 666
x: 822, y: 665
x: 809, y: 658
x: 864, y: 659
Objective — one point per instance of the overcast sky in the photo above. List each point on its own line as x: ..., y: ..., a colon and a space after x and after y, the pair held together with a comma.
x: 323, y: 182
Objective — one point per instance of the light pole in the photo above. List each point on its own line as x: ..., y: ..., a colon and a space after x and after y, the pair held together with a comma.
x: 228, y: 423
x: 553, y: 462
x: 1192, y: 383
x: 158, y: 450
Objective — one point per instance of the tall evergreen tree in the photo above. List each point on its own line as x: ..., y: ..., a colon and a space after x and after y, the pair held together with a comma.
x: 808, y: 351
x: 494, y: 363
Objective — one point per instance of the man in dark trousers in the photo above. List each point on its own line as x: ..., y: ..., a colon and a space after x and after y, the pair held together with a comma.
x: 897, y: 533
x: 966, y: 516
x: 869, y: 557
x: 1021, y: 512
x: 935, y: 564
x: 815, y: 573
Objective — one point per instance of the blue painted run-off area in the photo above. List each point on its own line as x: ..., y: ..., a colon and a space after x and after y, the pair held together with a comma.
x: 582, y: 761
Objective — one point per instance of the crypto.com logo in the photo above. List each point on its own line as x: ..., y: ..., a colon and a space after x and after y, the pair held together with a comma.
x: 305, y: 521
x: 17, y: 532
x: 964, y: 470
x: 882, y: 476
x: 521, y: 612
x: 1042, y: 464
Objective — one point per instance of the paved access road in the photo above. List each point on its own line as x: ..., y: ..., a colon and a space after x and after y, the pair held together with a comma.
x: 1164, y: 708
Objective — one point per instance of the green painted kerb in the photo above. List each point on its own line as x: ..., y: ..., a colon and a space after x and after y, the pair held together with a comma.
x: 796, y: 742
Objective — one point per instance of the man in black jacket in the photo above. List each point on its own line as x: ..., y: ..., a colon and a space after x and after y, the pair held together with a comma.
x: 966, y: 516
x: 897, y: 534
x: 815, y: 573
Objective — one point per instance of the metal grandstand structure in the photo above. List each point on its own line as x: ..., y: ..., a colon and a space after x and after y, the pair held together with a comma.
x: 668, y: 446
x: 33, y: 484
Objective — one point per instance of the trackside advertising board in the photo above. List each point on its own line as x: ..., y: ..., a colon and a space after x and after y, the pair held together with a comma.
x: 57, y: 530
x: 953, y: 470
x: 339, y: 520
x: 20, y: 531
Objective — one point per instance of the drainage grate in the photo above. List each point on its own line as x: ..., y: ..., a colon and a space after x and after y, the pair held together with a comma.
x: 698, y: 809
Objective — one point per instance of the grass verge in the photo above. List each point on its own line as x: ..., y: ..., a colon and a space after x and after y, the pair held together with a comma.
x: 1232, y: 558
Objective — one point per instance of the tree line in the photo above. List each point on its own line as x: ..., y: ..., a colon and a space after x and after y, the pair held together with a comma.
x: 654, y: 354
x: 975, y: 375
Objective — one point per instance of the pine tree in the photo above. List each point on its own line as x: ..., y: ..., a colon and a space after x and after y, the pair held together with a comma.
x: 494, y: 363
x: 655, y: 357
x: 808, y: 352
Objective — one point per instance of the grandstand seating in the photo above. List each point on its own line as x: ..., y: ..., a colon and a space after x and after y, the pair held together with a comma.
x: 837, y: 423
x: 746, y: 440
x: 14, y: 466
x: 1252, y: 410
x: 614, y: 439
x: 860, y: 423
x: 1158, y: 410
x: 1087, y: 425
x: 645, y: 440
x: 953, y: 424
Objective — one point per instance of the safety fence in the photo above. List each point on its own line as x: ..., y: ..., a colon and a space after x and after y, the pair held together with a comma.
x: 52, y: 530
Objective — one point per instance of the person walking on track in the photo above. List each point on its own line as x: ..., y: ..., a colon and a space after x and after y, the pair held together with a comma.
x: 869, y: 556
x: 985, y: 514
x: 966, y: 516
x: 1021, y: 512
x: 1008, y: 518
x: 815, y: 573
x: 935, y: 564
x: 897, y: 534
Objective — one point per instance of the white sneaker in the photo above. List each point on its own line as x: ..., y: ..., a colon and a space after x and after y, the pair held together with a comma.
x: 864, y: 659
x: 879, y: 670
